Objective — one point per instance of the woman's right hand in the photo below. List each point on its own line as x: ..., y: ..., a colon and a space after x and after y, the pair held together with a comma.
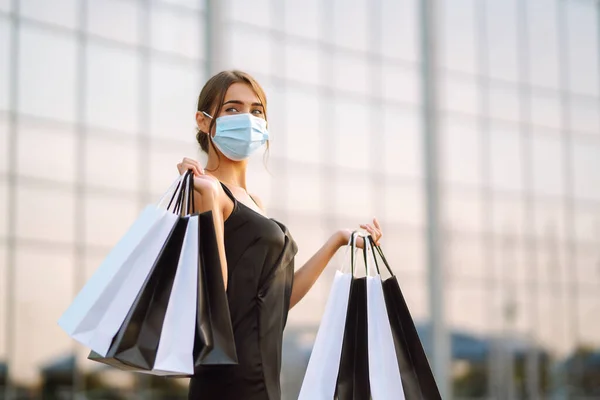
x: 187, y: 163
x: 204, y: 184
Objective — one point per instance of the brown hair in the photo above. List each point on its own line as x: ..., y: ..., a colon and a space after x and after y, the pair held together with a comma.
x: 213, y: 95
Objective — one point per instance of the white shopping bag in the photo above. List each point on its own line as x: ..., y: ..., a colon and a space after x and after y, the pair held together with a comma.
x: 384, y: 374
x: 321, y: 374
x: 82, y: 316
x: 120, y: 297
x: 176, y: 346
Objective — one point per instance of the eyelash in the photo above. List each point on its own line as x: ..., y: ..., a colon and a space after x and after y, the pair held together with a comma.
x: 232, y: 109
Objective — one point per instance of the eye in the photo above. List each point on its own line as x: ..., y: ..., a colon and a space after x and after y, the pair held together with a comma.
x: 257, y: 112
x: 232, y: 110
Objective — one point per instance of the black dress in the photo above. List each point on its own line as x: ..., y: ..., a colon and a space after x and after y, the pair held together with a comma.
x: 260, y: 261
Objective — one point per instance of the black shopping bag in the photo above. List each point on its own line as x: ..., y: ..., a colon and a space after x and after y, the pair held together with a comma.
x: 418, y: 382
x: 353, y: 375
x: 214, y: 343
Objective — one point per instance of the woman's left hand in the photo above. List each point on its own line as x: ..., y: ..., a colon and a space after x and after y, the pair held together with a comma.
x: 373, y: 229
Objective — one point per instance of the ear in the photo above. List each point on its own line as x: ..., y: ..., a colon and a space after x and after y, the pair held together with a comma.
x: 202, y: 121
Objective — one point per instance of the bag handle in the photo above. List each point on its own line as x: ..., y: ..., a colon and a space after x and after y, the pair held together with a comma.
x: 176, y: 184
x: 374, y: 247
x: 183, y: 198
x: 351, y: 247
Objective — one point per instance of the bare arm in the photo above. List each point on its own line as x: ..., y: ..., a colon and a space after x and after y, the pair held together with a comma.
x: 307, y: 275
x: 207, y: 198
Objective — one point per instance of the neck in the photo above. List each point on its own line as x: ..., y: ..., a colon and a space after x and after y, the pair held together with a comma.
x: 227, y: 171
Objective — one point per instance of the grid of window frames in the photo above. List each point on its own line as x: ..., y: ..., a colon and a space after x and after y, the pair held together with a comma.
x: 519, y: 117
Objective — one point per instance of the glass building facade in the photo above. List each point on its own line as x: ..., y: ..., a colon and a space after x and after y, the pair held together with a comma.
x: 97, y: 103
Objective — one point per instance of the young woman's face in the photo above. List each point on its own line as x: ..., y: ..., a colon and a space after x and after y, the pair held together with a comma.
x: 240, y: 98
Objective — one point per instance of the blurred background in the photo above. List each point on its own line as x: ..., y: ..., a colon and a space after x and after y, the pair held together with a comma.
x: 471, y: 128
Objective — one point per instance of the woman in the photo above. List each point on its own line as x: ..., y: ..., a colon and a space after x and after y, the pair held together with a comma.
x: 257, y: 253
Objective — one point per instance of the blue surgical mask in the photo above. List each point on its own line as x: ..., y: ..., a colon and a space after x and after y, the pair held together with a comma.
x: 238, y: 136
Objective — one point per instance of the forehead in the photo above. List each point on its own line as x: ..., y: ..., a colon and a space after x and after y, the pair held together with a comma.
x: 243, y: 92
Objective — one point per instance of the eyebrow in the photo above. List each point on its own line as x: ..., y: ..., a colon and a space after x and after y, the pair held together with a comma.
x: 242, y: 103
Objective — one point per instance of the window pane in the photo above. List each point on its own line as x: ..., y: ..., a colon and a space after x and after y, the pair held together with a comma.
x: 108, y: 218
x: 302, y: 18
x: 59, y: 12
x: 465, y: 258
x: 112, y: 88
x: 47, y: 151
x: 587, y: 224
x: 47, y: 215
x: 44, y: 54
x: 460, y: 95
x: 463, y: 212
x: 302, y: 63
x: 251, y: 51
x: 177, y: 31
x: 405, y: 252
x: 545, y: 110
x: 504, y: 102
x: 351, y: 74
x: 402, y: 148
x: 543, y: 42
x: 548, y: 165
x: 459, y: 35
x: 467, y: 306
x: 112, y: 163
x: 193, y: 4
x: 304, y: 190
x: 303, y: 136
x: 586, y: 168
x: 351, y: 134
x: 400, y: 84
x: 404, y: 205
x: 350, y: 24
x: 6, y: 5
x: 44, y: 290
x: 258, y: 13
x: 3, y: 289
x: 174, y: 91
x: 501, y: 24
x: 3, y: 209
x: 508, y: 216
x: 461, y: 151
x: 4, y: 151
x: 582, y: 48
x: 506, y: 165
x: 399, y: 29
x: 585, y: 115
x: 5, y: 57
x: 163, y: 162
x: 114, y: 19
x: 589, y: 305
x: 353, y: 197
x: 549, y: 217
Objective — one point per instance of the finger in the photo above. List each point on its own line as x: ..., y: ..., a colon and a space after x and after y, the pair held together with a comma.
x: 369, y: 229
x: 376, y: 223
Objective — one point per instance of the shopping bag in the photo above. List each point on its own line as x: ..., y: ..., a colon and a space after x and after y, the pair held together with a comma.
x: 132, y: 276
x: 214, y: 343
x: 417, y: 378
x: 175, y: 349
x: 384, y: 373
x: 353, y: 375
x: 83, y: 315
x: 323, y: 366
